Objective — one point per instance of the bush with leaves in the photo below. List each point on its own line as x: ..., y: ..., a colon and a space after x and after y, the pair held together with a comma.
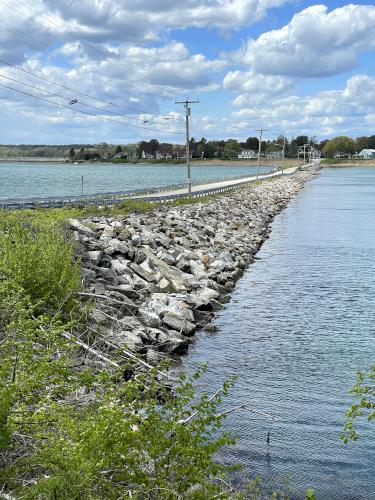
x: 364, y: 391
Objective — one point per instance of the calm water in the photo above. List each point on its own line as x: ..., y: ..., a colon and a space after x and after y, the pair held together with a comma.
x: 300, y: 324
x: 20, y: 180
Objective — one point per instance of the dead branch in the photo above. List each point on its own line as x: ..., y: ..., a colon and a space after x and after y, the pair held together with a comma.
x: 90, y: 349
x: 184, y: 421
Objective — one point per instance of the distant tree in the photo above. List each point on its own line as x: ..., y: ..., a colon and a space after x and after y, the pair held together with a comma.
x: 178, y: 151
x: 118, y: 149
x: 104, y: 150
x: 81, y: 154
x: 341, y: 144
x: 301, y: 140
x: 207, y: 150
x: 201, y: 147
x: 361, y: 143
x: 321, y: 144
x: 280, y: 141
x: 72, y: 153
x: 148, y: 147
x: 251, y: 143
x: 194, y: 146
x: 220, y: 145
x: 141, y: 147
x: 164, y: 148
x: 293, y: 149
x: 232, y: 148
x: 371, y: 142
x: 153, y: 147
x: 271, y: 147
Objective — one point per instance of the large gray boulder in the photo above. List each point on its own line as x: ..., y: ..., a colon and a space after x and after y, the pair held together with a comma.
x: 178, y: 323
x: 116, y: 246
x: 148, y: 317
x: 81, y: 228
x: 179, y: 279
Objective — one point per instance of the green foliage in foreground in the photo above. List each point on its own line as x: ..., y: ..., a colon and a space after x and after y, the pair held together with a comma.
x: 364, y: 392
x: 69, y: 432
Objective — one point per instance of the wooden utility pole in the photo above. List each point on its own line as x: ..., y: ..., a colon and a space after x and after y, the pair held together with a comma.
x: 261, y: 130
x: 186, y: 104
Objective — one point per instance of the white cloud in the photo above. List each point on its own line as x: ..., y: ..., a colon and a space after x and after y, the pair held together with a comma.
x: 315, y: 43
x: 147, y: 18
x: 255, y: 88
x: 323, y: 113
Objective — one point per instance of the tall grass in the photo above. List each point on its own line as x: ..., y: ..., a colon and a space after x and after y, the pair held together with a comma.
x: 36, y: 259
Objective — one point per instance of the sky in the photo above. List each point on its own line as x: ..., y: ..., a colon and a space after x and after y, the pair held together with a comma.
x: 91, y: 71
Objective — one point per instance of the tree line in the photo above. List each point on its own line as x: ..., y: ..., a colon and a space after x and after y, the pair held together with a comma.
x: 202, y: 148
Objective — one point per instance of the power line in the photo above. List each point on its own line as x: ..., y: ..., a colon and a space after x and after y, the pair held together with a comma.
x: 89, y: 114
x: 66, y: 98
x: 68, y: 35
x: 71, y: 35
x: 79, y: 92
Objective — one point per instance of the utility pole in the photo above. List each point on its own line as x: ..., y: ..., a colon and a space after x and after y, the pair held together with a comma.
x: 282, y: 154
x: 261, y: 130
x: 307, y: 144
x: 186, y: 104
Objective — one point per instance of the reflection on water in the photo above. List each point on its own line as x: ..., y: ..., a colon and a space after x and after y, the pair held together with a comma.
x: 298, y: 327
x: 19, y: 180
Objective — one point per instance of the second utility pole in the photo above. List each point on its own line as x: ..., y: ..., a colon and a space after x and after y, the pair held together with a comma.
x: 261, y: 130
x: 187, y: 114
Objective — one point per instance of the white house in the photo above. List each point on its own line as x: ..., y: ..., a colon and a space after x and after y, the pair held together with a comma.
x: 120, y: 155
x: 247, y: 154
x: 274, y: 155
x: 163, y: 156
x: 366, y: 154
x: 147, y: 156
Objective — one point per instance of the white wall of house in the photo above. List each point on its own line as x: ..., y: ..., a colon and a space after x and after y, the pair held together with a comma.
x: 248, y: 154
x: 366, y: 154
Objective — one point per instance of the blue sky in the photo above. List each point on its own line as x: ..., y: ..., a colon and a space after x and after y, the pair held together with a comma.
x: 293, y: 67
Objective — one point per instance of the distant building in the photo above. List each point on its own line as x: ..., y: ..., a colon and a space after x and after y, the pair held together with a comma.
x: 366, y: 154
x: 247, y: 154
x: 340, y: 154
x: 274, y: 155
x: 147, y: 156
x: 118, y: 156
x: 163, y: 156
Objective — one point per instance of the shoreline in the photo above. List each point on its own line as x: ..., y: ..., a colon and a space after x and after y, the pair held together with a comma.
x: 194, y: 162
x: 159, y: 277
x: 354, y: 163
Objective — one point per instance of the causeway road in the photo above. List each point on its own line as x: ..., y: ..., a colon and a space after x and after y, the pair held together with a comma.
x: 198, y: 188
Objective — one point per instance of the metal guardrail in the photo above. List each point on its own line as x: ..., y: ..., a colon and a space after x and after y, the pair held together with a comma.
x: 111, y: 199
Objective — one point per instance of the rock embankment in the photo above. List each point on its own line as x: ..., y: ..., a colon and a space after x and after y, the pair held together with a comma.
x: 157, y: 278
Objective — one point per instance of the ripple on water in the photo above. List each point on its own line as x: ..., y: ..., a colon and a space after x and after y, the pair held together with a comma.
x: 26, y: 180
x: 299, y: 326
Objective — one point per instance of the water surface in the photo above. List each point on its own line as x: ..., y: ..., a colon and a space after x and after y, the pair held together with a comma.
x: 298, y: 327
x: 29, y: 180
